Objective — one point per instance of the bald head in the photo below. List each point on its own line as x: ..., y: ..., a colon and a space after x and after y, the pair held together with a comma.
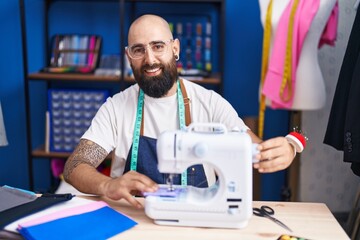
x: 148, y: 28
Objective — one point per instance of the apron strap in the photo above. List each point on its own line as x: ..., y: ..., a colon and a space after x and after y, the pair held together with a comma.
x: 186, y: 103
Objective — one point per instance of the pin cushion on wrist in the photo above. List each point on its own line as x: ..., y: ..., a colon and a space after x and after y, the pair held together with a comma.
x: 297, y: 139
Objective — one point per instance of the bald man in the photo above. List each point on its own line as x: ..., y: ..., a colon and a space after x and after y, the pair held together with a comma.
x: 129, y: 123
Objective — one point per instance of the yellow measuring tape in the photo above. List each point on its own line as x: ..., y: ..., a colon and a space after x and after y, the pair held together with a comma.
x: 286, y: 82
x: 264, y: 67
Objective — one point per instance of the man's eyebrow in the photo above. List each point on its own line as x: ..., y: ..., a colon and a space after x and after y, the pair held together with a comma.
x: 156, y: 41
x: 151, y: 43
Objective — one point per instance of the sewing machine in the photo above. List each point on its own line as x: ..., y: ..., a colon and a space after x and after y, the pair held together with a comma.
x: 227, y: 203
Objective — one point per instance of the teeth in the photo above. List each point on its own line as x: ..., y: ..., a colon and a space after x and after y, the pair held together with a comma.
x: 152, y: 70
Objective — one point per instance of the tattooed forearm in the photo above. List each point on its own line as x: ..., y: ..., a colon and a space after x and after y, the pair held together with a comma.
x: 87, y: 152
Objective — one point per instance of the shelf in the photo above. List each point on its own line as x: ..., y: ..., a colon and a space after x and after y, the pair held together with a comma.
x: 41, y: 153
x: 215, y: 79
x: 72, y: 77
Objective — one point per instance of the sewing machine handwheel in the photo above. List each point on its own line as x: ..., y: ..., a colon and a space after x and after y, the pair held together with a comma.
x: 200, y: 150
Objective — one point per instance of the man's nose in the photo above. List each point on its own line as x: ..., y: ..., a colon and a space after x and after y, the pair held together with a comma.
x: 149, y: 55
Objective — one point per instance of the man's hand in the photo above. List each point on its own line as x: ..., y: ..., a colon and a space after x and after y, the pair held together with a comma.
x: 80, y: 171
x: 130, y: 184
x: 274, y: 155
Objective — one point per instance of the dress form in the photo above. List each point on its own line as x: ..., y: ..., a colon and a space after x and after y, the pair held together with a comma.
x: 310, y: 88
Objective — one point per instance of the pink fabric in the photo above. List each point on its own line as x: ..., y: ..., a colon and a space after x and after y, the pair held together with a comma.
x: 304, y: 15
x: 330, y: 32
x: 66, y: 213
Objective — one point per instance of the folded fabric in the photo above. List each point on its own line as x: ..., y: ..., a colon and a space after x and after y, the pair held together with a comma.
x: 75, y: 202
x: 102, y: 223
x: 11, y: 197
x: 46, y: 200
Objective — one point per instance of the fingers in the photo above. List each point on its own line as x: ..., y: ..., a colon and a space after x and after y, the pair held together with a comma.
x: 271, y: 149
x: 130, y: 182
x: 272, y: 143
x: 269, y: 166
x: 132, y: 200
x: 139, y: 182
x: 274, y: 154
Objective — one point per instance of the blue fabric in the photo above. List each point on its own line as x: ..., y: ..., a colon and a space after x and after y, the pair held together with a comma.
x: 147, y: 164
x: 99, y: 224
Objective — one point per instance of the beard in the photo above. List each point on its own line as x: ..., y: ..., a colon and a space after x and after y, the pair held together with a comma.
x: 157, y: 86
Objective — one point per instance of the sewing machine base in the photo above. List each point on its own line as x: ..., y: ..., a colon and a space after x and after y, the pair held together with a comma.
x: 195, y: 207
x: 202, y: 223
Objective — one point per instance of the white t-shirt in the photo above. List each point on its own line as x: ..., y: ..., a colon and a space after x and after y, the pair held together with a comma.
x: 113, y: 126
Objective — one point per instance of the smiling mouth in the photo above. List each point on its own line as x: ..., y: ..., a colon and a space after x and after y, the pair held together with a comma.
x: 152, y: 71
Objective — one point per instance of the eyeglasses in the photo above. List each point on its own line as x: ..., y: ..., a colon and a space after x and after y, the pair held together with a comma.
x: 158, y: 48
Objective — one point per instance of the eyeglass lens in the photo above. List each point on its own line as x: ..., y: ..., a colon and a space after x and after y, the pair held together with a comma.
x: 138, y: 50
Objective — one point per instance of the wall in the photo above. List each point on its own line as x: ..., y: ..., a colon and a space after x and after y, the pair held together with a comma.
x: 13, y: 162
x: 324, y: 177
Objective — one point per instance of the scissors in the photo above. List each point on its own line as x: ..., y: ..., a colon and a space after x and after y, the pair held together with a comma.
x: 266, y: 211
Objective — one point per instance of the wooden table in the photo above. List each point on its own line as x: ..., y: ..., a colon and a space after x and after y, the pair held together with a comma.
x: 307, y: 220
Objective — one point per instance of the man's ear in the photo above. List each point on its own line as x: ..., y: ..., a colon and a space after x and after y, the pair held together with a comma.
x: 176, y: 47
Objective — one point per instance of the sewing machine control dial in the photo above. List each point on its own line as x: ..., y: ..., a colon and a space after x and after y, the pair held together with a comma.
x: 200, y: 150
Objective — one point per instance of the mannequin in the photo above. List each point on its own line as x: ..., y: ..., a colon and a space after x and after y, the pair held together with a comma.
x: 310, y: 88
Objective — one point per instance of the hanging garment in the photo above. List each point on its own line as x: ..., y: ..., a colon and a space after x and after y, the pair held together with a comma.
x: 278, y: 76
x: 279, y: 84
x: 343, y: 130
x: 329, y: 34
